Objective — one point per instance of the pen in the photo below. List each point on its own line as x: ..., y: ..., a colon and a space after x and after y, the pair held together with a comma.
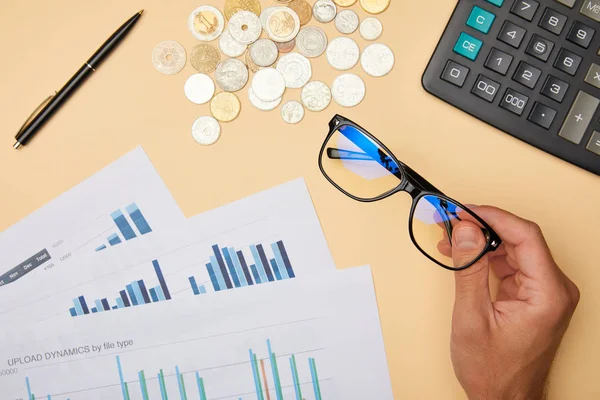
x: 49, y: 106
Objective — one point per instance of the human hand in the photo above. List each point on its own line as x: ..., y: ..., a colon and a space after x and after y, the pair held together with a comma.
x: 504, y: 349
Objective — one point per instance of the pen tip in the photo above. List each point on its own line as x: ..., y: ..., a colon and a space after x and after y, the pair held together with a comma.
x: 17, y: 145
x: 141, y: 12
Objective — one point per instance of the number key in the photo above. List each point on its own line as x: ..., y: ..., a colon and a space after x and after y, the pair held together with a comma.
x: 567, y: 62
x: 514, y: 101
x: 512, y: 34
x: 485, y: 88
x: 525, y: 9
x: 553, y: 21
x: 498, y: 61
x: 581, y: 34
x: 455, y: 73
x: 540, y: 48
x: 527, y: 75
x: 555, y: 89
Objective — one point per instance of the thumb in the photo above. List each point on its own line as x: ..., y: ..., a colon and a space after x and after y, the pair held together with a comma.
x: 471, y: 285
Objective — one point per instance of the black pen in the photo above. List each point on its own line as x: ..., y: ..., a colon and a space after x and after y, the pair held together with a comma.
x: 49, y: 106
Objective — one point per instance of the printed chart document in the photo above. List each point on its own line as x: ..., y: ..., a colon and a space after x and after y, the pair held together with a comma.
x: 116, y: 206
x: 312, y: 338
x: 268, y: 237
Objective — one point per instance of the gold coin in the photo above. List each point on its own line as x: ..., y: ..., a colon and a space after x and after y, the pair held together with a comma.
x: 303, y: 9
x: 344, y: 3
x: 205, y: 58
x: 286, y: 47
x: 281, y: 23
x: 249, y: 63
x: 205, y: 22
x: 225, y: 106
x: 233, y: 6
x: 375, y: 6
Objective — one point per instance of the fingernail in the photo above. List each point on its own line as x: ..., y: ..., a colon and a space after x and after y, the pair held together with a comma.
x: 466, y: 238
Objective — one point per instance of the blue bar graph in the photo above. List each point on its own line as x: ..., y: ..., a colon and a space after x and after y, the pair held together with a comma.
x: 123, y: 225
x: 138, y: 219
x: 113, y: 239
x: 196, y: 288
x: 125, y: 228
x: 213, y: 277
x: 101, y: 247
x: 231, y: 267
x: 153, y: 295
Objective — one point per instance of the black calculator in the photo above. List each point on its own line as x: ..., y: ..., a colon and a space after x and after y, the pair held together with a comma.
x: 528, y: 67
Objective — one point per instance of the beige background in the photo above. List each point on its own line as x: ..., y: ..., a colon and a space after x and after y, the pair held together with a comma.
x: 127, y: 103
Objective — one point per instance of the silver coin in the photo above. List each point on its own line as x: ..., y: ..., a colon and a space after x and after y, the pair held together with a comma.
x: 324, y: 11
x: 229, y: 46
x: 265, y: 15
x: 311, y: 41
x: 283, y: 24
x: 296, y: 70
x: 268, y: 84
x: 316, y: 96
x: 199, y: 88
x: 245, y: 27
x: 169, y: 57
x: 206, y: 130
x: 377, y: 59
x: 292, y: 112
x: 370, y: 29
x: 348, y: 90
x: 346, y: 21
x: 231, y: 75
x: 264, y: 52
x: 262, y: 105
x: 343, y: 53
x: 200, y: 27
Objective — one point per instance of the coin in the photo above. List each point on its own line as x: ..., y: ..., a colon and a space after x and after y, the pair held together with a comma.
x: 229, y: 46
x: 316, y: 96
x: 234, y: 6
x: 296, y: 70
x: 343, y: 53
x: 231, y: 75
x: 371, y: 29
x: 206, y: 23
x: 303, y: 9
x: 375, y: 6
x: 377, y: 59
x: 283, y: 24
x: 292, y: 112
x: 311, y: 41
x: 262, y: 105
x: 324, y: 11
x: 169, y: 57
x: 346, y: 21
x: 284, y: 1
x: 348, y: 90
x: 344, y: 3
x: 286, y: 47
x: 225, y: 106
x: 199, y: 88
x: 245, y: 27
x: 206, y: 130
x: 204, y: 58
x: 264, y: 52
x: 265, y: 14
x: 268, y: 84
x: 249, y: 63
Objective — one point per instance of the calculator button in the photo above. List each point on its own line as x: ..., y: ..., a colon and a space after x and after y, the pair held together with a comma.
x: 485, y: 88
x: 539, y: 47
x: 481, y: 20
x: 568, y: 3
x: 579, y: 117
x: 455, y: 73
x: 542, y: 115
x: 511, y: 34
x: 594, y: 143
x: 468, y: 46
x: 553, y: 21
x: 581, y: 34
x: 591, y: 8
x: 593, y: 76
x: 567, y: 62
x: 498, y: 61
x: 555, y: 89
x: 514, y: 101
x: 527, y: 75
x: 497, y: 3
x: 525, y: 9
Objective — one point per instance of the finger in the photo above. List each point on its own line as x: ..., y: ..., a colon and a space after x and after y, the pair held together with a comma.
x: 471, y: 285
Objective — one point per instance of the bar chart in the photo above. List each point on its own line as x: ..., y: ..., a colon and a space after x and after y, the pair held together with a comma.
x: 134, y: 294
x: 125, y: 225
x: 228, y: 268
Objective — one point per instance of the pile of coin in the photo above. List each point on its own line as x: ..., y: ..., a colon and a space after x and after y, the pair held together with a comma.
x: 254, y: 48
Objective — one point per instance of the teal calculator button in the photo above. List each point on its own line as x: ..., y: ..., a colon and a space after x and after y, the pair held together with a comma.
x: 497, y: 3
x: 468, y: 46
x: 481, y: 20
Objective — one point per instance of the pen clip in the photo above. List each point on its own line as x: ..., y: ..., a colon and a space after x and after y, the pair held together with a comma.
x: 35, y: 113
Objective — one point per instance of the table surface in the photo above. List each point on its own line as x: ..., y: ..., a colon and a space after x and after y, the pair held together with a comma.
x: 128, y: 103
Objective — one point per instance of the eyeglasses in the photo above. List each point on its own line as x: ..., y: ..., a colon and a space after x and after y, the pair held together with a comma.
x: 362, y: 168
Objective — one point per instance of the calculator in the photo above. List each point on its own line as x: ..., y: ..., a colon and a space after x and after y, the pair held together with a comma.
x: 531, y: 68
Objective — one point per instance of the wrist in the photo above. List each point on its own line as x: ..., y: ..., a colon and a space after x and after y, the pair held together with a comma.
x: 515, y: 390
